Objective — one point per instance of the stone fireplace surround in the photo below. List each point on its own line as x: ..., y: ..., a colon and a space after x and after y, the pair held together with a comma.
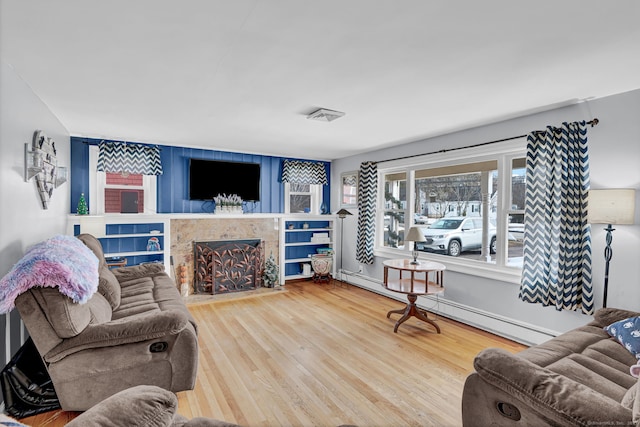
x: 185, y: 231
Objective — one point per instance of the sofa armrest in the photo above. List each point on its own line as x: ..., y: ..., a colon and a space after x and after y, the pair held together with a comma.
x: 142, y: 405
x: 137, y: 271
x: 122, y: 331
x: 554, y: 396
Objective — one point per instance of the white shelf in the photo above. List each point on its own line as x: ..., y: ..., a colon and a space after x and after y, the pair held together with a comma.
x: 133, y: 253
x: 308, y: 243
x: 298, y: 276
x: 118, y: 236
x: 296, y: 260
x: 290, y: 230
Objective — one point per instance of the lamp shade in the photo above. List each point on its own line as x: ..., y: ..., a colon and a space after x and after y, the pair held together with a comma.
x: 342, y: 213
x: 611, y: 206
x: 415, y: 234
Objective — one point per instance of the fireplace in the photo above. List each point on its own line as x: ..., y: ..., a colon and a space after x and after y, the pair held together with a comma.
x: 223, y: 266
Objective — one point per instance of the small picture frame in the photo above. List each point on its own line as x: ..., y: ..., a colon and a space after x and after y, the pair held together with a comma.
x: 349, y: 189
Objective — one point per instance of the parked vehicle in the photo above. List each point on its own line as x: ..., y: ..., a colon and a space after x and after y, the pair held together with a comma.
x: 455, y: 235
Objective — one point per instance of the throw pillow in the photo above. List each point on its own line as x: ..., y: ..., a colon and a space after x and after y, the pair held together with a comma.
x: 627, y: 332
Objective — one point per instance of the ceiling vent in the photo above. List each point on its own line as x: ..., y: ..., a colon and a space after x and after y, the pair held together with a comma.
x: 325, y: 115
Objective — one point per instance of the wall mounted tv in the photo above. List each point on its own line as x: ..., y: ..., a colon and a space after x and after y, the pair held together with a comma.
x: 208, y: 178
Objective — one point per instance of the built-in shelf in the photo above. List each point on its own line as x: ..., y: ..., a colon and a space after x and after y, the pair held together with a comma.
x: 296, y: 247
x: 127, y: 236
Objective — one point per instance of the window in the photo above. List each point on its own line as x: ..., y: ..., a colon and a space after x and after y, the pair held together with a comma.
x: 395, y: 203
x: 469, y: 203
x: 349, y: 189
x: 120, y: 193
x: 302, y: 198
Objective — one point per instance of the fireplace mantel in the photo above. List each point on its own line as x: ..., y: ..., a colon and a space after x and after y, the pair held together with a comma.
x: 182, y: 229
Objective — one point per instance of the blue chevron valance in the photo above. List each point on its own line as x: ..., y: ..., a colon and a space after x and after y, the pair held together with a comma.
x: 557, y: 238
x: 300, y: 172
x: 120, y: 157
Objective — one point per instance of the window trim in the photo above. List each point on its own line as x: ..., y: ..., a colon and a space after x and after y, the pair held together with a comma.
x: 98, y: 183
x: 502, y: 152
x: 315, y: 192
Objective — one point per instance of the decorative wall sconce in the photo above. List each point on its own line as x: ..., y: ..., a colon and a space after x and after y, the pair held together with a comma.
x: 40, y: 162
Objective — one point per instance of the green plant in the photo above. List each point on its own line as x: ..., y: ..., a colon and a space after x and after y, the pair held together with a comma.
x: 271, y: 271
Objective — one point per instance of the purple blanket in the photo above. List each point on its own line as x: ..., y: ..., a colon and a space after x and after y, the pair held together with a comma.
x: 61, y: 261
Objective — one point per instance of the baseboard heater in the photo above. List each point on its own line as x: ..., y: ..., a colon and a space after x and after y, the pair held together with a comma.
x: 515, y: 330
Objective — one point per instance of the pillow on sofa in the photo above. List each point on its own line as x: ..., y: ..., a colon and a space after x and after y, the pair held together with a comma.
x: 627, y: 332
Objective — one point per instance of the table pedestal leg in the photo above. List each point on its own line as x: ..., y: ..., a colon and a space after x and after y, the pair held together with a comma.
x: 412, y: 310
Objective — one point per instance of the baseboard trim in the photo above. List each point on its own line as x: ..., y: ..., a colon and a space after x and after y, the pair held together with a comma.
x: 506, y: 327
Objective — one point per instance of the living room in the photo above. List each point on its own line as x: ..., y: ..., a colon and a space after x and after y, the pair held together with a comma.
x: 488, y: 300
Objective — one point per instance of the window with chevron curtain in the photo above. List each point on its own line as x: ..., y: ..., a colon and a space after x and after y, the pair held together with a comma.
x: 120, y: 157
x: 557, y: 238
x: 301, y: 172
x: 367, y: 196
x: 303, y: 181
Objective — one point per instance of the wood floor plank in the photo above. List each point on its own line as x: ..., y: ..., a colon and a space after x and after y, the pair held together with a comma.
x: 317, y: 355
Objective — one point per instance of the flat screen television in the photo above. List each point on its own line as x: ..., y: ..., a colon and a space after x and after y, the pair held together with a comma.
x: 208, y: 178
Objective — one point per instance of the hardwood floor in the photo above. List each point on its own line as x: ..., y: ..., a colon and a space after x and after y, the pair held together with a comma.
x: 315, y: 355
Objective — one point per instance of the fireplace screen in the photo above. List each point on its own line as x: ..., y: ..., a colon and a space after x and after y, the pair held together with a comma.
x: 227, y: 266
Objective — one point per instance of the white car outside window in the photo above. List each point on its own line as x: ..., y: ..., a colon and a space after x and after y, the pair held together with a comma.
x: 455, y: 235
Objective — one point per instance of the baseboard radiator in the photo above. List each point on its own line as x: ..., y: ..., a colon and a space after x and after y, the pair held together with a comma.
x: 506, y: 327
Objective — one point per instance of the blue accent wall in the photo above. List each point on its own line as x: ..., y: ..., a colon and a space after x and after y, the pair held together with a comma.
x: 173, y: 191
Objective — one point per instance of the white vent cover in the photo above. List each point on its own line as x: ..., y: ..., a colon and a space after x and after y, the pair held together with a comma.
x: 325, y: 115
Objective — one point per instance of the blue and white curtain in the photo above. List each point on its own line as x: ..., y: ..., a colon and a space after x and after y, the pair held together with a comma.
x: 367, y: 198
x: 121, y: 157
x: 557, y: 238
x: 301, y: 172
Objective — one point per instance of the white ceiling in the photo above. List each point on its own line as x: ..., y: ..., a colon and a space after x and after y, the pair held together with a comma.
x: 241, y: 75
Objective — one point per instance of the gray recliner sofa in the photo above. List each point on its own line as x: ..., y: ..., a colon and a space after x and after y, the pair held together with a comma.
x: 579, y: 378
x: 135, y: 330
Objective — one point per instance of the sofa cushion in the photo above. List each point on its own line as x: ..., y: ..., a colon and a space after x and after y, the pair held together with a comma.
x: 100, y: 310
x: 109, y: 287
x: 606, y: 316
x: 636, y: 405
x: 143, y: 405
x: 96, y: 247
x: 630, y: 397
x: 627, y: 332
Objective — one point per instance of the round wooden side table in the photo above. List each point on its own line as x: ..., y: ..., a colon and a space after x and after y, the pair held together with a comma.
x: 424, y: 278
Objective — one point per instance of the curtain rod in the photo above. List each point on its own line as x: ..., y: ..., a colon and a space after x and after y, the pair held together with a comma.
x: 593, y: 123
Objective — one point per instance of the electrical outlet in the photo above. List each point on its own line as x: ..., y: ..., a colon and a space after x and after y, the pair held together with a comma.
x: 360, y: 268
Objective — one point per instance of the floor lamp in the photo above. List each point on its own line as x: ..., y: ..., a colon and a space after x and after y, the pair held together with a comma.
x: 611, y: 206
x: 342, y: 214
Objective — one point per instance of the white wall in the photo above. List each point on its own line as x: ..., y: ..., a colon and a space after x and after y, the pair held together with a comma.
x: 614, y: 147
x: 23, y: 221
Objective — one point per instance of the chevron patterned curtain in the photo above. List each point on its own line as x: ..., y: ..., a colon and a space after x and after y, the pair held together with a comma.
x: 367, y: 197
x: 557, y: 238
x: 300, y: 172
x: 121, y: 157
